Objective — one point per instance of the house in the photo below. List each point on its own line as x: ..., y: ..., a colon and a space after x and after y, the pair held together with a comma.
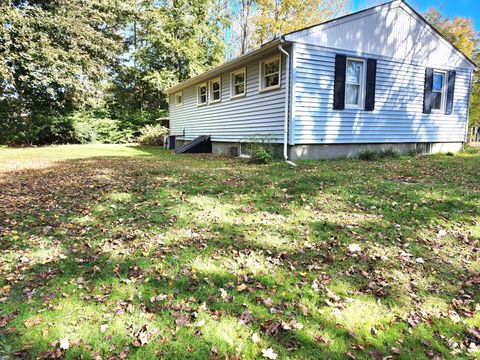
x: 377, y: 78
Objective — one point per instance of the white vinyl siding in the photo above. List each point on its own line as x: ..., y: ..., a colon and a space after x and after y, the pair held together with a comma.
x: 398, y: 115
x: 389, y: 31
x: 255, y: 115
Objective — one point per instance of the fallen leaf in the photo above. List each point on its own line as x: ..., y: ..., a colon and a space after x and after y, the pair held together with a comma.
x: 4, y: 320
x: 242, y: 287
x: 64, y: 345
x: 269, y: 354
x: 256, y: 338
x: 354, y: 248
x: 30, y: 322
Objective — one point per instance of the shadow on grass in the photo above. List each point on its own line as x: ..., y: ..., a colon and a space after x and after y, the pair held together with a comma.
x: 90, y: 242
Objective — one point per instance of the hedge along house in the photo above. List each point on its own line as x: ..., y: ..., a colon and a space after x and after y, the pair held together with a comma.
x: 377, y: 78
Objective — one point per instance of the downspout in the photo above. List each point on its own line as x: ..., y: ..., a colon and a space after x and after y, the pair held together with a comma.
x: 287, y: 100
x: 468, y: 109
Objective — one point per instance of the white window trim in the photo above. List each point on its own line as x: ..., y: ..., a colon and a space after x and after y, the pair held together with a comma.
x: 261, y: 87
x: 176, y: 102
x: 210, y: 90
x: 363, y: 85
x: 443, y: 104
x: 198, y: 94
x: 232, y: 85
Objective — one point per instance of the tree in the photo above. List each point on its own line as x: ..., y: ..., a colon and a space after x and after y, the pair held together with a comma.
x: 172, y: 41
x: 242, y: 26
x: 475, y: 97
x: 54, y: 52
x: 460, y: 32
x: 276, y: 17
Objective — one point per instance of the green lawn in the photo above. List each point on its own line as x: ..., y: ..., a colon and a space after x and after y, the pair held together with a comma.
x: 133, y: 252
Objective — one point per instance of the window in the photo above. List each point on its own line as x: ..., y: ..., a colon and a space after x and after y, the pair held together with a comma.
x: 179, y: 98
x: 238, y: 83
x: 202, y: 94
x: 438, y: 91
x: 215, y: 90
x: 270, y: 70
x: 355, y: 83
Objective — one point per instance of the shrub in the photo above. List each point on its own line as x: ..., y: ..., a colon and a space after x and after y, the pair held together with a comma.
x: 414, y: 152
x: 95, y: 125
x: 389, y: 153
x: 260, y: 149
x: 450, y: 154
x: 368, y: 155
x: 371, y: 155
x: 152, y: 135
x: 262, y: 155
x: 37, y: 130
x: 471, y: 150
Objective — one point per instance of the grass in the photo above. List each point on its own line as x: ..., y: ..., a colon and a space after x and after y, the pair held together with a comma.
x: 137, y: 253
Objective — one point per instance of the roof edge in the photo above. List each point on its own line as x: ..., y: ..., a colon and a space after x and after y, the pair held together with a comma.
x: 225, y: 66
x: 436, y: 31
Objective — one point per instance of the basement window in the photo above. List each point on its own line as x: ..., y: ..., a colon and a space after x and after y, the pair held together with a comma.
x: 238, y: 83
x: 270, y: 70
x: 202, y: 94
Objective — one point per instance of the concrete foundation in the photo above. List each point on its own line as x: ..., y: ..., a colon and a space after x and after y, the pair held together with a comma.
x: 347, y: 151
x: 333, y: 151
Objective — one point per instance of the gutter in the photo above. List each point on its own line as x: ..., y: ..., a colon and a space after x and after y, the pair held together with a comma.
x: 229, y: 65
x: 287, y: 101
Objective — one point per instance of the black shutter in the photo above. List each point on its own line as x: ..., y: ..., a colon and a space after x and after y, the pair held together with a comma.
x: 450, y: 92
x: 427, y: 95
x: 339, y: 86
x: 371, y: 80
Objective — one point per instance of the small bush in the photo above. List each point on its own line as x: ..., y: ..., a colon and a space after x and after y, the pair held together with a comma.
x: 152, y: 135
x: 450, y: 154
x: 389, y: 153
x: 262, y: 155
x: 371, y: 155
x: 368, y: 155
x: 471, y: 150
x: 259, y: 149
x: 414, y: 152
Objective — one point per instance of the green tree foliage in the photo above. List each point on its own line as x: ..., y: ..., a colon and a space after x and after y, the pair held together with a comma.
x: 276, y: 17
x: 460, y: 32
x: 475, y: 98
x: 171, y: 41
x: 54, y: 53
x: 64, y: 59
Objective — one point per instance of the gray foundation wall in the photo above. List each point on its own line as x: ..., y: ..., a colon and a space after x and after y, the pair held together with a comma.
x: 347, y: 151
x: 334, y: 151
